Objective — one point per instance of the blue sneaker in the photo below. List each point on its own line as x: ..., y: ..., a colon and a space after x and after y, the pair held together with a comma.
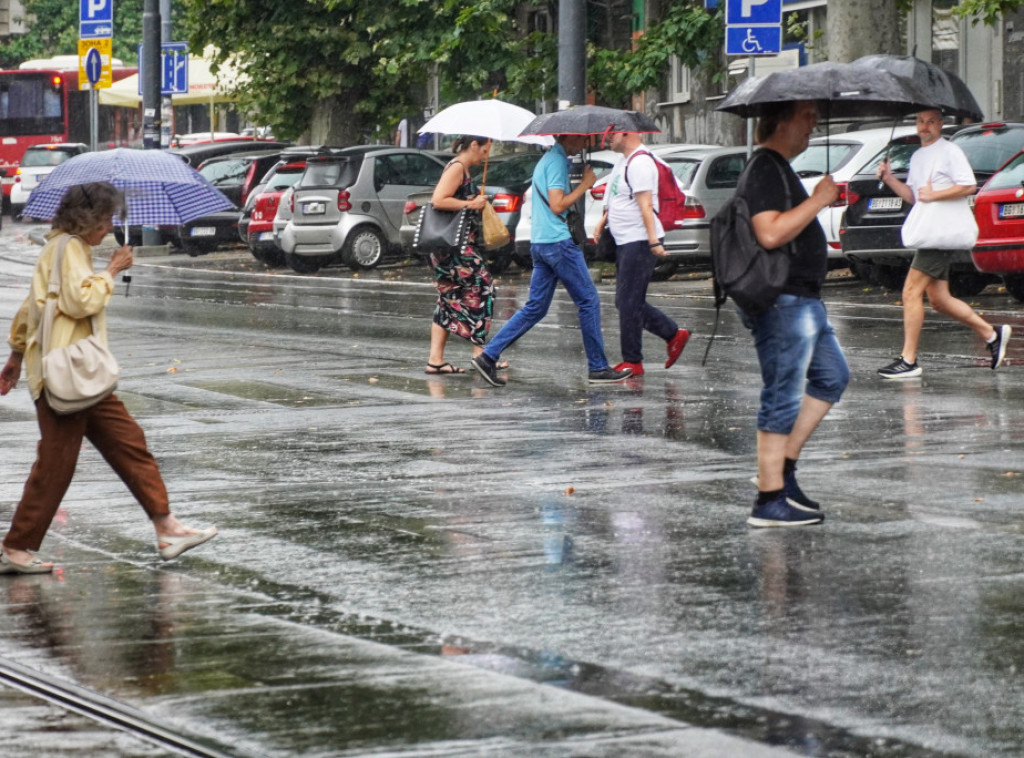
x: 779, y: 512
x: 796, y: 497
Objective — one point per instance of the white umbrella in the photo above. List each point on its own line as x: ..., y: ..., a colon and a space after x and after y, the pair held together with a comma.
x: 494, y: 119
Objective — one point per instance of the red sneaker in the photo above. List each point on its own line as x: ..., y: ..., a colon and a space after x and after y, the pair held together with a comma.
x: 636, y: 368
x: 675, y: 346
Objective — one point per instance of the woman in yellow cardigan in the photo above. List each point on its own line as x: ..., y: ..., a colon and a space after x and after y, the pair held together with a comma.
x: 83, y: 219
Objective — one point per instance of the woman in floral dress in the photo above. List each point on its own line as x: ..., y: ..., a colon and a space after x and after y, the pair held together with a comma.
x: 465, y: 291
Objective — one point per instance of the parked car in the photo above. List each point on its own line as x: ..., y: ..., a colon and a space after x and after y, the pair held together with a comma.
x: 708, y: 175
x: 842, y: 156
x: 194, y: 154
x: 348, y: 204
x: 870, y: 229
x: 601, y: 161
x: 236, y: 176
x: 256, y: 223
x: 36, y: 165
x: 999, y: 210
x: 508, y: 178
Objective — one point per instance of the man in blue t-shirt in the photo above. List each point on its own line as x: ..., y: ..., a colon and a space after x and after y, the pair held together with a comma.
x: 556, y: 258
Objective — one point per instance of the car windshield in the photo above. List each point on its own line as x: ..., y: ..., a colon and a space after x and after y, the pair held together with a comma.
x: 988, y: 149
x: 284, y: 178
x: 515, y: 170
x: 221, y: 173
x: 45, y: 157
x: 683, y: 168
x: 898, y: 154
x: 329, y: 173
x: 1010, y: 176
x: 818, y: 160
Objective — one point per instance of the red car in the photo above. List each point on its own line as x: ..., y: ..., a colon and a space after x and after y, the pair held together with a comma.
x: 999, y: 210
x: 262, y: 207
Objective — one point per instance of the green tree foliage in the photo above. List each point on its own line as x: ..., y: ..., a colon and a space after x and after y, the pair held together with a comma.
x: 685, y: 29
x: 374, y: 59
x: 53, y: 30
x: 987, y: 11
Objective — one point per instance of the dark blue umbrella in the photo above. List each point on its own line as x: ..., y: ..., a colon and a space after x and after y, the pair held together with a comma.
x: 946, y: 90
x: 159, y: 187
x: 590, y: 120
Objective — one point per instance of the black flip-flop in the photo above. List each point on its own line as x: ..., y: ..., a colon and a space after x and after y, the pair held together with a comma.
x: 439, y: 370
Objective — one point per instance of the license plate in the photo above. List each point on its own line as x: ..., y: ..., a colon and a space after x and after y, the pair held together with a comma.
x: 313, y: 209
x: 265, y: 236
x: 1011, y: 210
x: 8, y: 180
x: 203, y: 231
x: 885, y: 204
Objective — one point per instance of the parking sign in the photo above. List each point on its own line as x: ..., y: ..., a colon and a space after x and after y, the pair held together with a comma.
x: 95, y: 19
x: 753, y: 12
x: 753, y: 27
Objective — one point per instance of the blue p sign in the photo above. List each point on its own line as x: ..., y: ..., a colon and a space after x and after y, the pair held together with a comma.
x: 96, y: 19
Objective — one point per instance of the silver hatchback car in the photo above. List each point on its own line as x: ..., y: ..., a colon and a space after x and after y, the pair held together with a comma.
x: 349, y: 204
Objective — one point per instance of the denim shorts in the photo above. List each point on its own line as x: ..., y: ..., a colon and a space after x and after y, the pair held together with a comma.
x: 799, y: 354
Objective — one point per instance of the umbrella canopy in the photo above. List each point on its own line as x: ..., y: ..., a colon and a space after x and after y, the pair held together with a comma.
x: 160, y: 188
x: 494, y: 119
x: 841, y: 90
x: 591, y: 119
x: 946, y: 90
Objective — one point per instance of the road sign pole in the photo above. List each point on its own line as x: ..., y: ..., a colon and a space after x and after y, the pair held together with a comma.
x: 94, y: 118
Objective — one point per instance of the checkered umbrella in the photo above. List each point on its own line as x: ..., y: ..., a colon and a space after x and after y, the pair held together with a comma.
x: 160, y: 188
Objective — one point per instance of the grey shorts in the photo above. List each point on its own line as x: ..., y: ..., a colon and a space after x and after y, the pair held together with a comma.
x: 935, y: 263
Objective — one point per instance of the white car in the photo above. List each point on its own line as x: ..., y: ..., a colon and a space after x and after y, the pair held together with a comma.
x: 36, y: 164
x: 842, y: 156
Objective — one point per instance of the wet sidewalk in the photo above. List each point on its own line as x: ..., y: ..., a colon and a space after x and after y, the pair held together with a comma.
x: 418, y: 566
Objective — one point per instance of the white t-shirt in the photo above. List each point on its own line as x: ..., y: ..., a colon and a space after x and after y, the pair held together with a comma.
x: 624, y: 217
x: 943, y: 163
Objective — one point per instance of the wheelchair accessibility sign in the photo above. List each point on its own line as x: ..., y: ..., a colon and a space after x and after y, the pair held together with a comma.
x: 753, y: 27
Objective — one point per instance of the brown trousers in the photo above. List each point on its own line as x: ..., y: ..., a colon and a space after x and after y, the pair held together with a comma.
x: 118, y: 438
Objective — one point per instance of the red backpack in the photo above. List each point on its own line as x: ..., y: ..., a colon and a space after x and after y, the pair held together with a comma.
x: 671, y: 198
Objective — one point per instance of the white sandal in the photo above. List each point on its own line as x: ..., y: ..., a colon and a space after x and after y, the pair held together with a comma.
x: 175, y: 546
x: 35, y: 566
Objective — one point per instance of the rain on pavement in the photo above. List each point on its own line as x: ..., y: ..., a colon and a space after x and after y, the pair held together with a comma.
x: 422, y: 566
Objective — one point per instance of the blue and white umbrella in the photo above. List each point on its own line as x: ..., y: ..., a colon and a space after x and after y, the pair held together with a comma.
x: 159, y: 187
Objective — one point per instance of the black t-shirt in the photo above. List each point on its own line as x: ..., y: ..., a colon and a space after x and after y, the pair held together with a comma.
x: 764, y: 191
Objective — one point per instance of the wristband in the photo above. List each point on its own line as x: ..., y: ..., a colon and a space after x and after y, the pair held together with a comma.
x: 656, y: 244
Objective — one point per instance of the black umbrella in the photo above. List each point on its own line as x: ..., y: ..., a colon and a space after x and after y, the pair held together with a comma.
x: 590, y: 119
x: 946, y: 90
x: 841, y: 90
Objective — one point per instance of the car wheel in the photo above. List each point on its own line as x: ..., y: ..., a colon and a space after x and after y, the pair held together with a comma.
x: 364, y: 247
x: 16, y: 211
x: 273, y: 257
x: 523, y: 260
x: 967, y: 284
x: 890, y: 277
x: 501, y: 261
x: 194, y: 250
x: 863, y: 270
x: 664, y: 270
x: 1015, y: 286
x: 302, y: 264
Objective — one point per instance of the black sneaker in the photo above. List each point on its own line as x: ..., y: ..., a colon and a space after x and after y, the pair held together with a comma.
x: 900, y: 369
x: 488, y: 370
x: 796, y: 497
x: 609, y: 376
x: 779, y: 512
x: 998, y: 346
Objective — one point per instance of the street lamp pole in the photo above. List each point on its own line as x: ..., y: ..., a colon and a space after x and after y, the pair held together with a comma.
x: 572, y: 62
x: 151, y: 92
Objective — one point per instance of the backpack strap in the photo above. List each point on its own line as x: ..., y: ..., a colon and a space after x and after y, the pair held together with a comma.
x: 625, y: 171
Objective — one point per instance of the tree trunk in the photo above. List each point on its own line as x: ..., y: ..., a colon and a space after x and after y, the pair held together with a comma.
x: 333, y: 123
x: 862, y: 27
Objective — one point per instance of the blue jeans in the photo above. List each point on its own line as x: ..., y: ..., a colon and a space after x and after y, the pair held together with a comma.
x: 553, y: 263
x: 634, y: 270
x: 795, y: 343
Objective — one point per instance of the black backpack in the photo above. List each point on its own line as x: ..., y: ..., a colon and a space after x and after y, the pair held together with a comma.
x: 740, y: 268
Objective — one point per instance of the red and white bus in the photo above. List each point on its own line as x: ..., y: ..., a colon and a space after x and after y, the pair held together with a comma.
x: 40, y: 103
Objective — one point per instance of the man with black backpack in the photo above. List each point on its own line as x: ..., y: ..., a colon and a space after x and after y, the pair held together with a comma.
x: 634, y: 209
x: 802, y: 366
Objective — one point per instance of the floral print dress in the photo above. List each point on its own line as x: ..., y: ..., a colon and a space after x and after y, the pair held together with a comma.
x: 465, y: 290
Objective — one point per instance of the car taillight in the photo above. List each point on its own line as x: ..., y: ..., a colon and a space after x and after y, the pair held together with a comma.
x: 343, y: 201
x: 506, y: 203
x: 291, y: 203
x: 692, y: 208
x: 846, y: 197
x: 410, y: 206
x: 598, y: 192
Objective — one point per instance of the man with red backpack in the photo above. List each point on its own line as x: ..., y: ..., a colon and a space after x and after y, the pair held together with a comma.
x: 641, y: 197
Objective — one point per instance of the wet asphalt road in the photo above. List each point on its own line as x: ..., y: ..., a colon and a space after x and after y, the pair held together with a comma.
x: 430, y: 567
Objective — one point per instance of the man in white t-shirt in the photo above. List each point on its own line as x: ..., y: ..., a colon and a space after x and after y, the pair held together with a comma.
x: 631, y: 202
x: 937, y: 163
